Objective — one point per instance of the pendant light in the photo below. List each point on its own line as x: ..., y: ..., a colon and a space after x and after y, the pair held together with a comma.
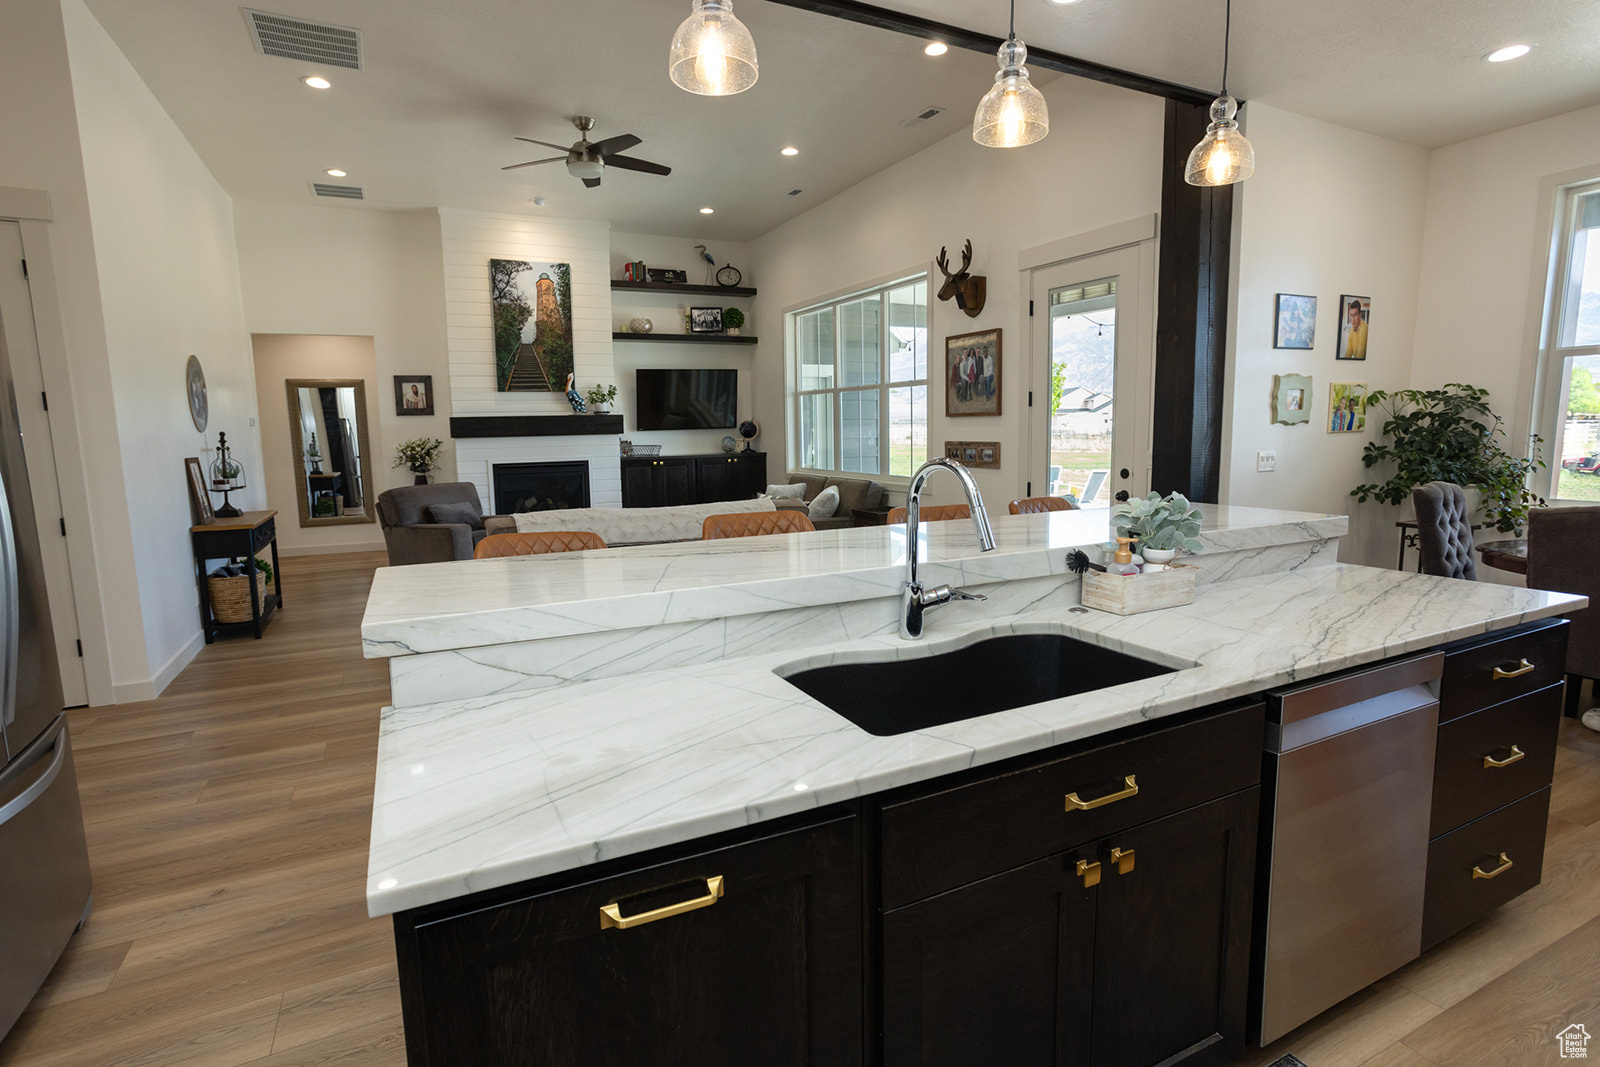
x: 713, y: 53
x: 1012, y: 113
x: 1223, y: 155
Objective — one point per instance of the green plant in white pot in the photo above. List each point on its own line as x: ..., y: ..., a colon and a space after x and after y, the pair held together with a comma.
x: 1164, y: 525
x: 600, y: 397
x: 732, y: 321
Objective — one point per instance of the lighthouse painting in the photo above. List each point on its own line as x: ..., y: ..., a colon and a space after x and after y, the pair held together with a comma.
x: 532, y: 310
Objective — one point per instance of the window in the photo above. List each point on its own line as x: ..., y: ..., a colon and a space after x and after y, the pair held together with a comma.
x: 860, y: 398
x: 1572, y: 366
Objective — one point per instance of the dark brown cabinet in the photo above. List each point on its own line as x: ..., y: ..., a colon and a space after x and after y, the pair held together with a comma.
x: 747, y: 953
x: 667, y: 481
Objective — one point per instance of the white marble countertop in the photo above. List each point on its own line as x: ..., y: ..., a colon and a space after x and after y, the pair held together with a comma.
x: 472, y: 603
x: 481, y: 793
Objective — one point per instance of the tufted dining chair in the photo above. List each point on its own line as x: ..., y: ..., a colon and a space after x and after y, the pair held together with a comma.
x: 1562, y: 559
x: 755, y: 524
x: 1038, y: 505
x: 932, y: 513
x: 1444, y: 530
x: 536, y: 544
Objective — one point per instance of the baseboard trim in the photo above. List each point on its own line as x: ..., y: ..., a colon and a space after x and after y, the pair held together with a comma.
x: 149, y: 689
x: 329, y: 550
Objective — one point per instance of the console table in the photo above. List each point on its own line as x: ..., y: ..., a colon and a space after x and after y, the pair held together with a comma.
x: 238, y: 538
x: 666, y: 481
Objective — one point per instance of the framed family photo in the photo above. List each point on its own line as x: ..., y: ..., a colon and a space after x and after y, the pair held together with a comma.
x: 413, y: 394
x: 1291, y: 399
x: 972, y: 373
x: 1354, y: 311
x: 199, y: 499
x: 1347, y: 407
x: 1294, y: 321
x: 705, y: 320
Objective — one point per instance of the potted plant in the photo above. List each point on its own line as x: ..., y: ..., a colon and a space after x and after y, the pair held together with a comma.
x: 732, y: 319
x: 1164, y: 525
x: 600, y: 398
x: 419, y: 455
x: 1450, y: 435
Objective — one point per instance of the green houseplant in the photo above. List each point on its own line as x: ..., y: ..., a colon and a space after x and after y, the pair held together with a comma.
x: 419, y: 455
x: 600, y: 397
x: 1450, y: 435
x: 732, y: 320
x: 1163, y: 523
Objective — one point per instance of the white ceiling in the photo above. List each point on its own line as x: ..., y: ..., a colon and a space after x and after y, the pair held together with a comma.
x: 431, y: 119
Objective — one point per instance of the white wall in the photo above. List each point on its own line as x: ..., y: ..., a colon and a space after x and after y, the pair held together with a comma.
x: 1329, y: 211
x: 338, y: 269
x: 1004, y: 201
x: 169, y: 287
x: 279, y: 358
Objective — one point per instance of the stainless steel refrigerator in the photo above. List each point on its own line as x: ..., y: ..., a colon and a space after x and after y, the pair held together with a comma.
x: 44, y: 863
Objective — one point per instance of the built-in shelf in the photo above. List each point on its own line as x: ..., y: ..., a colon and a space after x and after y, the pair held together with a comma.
x: 676, y: 287
x: 686, y: 338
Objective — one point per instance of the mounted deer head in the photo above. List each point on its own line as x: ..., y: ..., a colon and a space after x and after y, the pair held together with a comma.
x: 969, y: 290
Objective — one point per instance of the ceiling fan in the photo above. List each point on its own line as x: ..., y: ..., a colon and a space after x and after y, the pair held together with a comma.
x: 588, y: 160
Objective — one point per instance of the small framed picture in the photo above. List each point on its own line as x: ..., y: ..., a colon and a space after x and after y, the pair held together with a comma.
x: 199, y: 499
x: 1347, y: 407
x: 1294, y: 321
x: 1291, y: 399
x: 972, y: 373
x: 1354, y: 311
x: 705, y: 320
x: 413, y: 394
x: 985, y: 454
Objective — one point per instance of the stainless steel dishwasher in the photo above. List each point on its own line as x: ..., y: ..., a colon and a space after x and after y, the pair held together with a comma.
x: 1347, y: 789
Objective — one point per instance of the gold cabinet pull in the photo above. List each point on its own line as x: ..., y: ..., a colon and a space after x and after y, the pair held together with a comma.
x: 1505, y: 865
x: 1516, y: 754
x: 1131, y: 789
x: 1123, y: 858
x: 1501, y: 672
x: 611, y: 914
x: 1089, y: 872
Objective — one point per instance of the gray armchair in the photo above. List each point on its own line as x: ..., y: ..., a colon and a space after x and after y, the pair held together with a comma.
x: 409, y: 529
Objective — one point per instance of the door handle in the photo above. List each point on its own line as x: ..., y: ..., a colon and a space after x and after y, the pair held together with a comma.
x: 1516, y: 754
x: 1505, y: 865
x: 611, y: 914
x: 1524, y: 668
x: 15, y: 805
x: 1122, y: 496
x: 1123, y: 858
x: 1089, y: 871
x: 1130, y: 789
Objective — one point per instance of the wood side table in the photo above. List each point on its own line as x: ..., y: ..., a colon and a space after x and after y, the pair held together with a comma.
x: 1510, y: 555
x: 230, y: 539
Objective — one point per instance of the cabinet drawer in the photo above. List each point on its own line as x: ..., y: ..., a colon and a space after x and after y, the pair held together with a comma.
x: 1467, y: 783
x: 1470, y: 681
x: 1458, y: 892
x: 945, y: 839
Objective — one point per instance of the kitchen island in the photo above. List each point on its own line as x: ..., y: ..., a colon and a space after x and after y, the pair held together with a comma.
x: 623, y: 703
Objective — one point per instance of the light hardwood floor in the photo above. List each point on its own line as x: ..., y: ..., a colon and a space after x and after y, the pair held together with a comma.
x: 228, y: 825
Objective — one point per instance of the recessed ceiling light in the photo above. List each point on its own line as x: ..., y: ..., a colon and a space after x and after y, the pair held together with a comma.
x: 706, y: 211
x: 790, y: 151
x: 936, y: 48
x: 316, y: 81
x: 537, y: 201
x: 1063, y: 3
x: 1510, y: 51
x: 335, y: 172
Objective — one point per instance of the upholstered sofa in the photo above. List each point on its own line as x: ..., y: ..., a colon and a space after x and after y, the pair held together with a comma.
x: 853, y: 493
x: 409, y: 529
x: 626, y: 526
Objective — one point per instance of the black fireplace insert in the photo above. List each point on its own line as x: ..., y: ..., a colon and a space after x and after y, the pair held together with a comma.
x: 540, y: 486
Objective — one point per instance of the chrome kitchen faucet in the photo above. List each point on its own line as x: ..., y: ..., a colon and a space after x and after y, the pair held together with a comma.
x: 913, y: 599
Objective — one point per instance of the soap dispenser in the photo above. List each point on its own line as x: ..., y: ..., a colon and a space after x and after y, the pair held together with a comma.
x: 1123, y: 563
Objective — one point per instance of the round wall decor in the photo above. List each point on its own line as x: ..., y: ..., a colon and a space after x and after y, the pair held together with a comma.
x: 729, y: 276
x: 195, y: 378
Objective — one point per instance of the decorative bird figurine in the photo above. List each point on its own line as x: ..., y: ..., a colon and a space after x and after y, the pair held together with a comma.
x: 711, y: 264
x: 574, y: 398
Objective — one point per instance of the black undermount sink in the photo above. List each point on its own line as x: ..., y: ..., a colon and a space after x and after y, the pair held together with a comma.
x: 996, y: 674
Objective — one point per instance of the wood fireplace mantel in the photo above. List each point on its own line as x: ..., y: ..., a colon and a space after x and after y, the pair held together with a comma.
x: 535, y: 425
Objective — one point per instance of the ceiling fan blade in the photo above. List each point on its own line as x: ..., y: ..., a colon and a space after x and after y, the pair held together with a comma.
x: 536, y: 162
x: 593, y: 183
x: 620, y: 143
x: 547, y: 144
x: 643, y: 165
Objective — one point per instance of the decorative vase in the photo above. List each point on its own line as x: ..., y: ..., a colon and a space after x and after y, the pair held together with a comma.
x: 640, y: 325
x: 421, y: 478
x: 733, y: 331
x: 1157, y: 559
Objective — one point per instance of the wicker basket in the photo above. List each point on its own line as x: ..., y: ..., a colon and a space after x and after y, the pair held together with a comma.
x: 230, y: 597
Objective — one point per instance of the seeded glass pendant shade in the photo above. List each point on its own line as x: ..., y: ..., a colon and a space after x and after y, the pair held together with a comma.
x: 713, y: 53
x: 1223, y: 155
x: 1013, y: 112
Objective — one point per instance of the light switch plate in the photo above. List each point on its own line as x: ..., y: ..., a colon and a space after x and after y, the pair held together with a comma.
x: 1266, y: 461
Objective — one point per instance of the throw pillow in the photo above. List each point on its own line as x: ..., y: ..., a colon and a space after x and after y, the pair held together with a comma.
x: 463, y: 513
x: 793, y: 491
x: 825, y: 505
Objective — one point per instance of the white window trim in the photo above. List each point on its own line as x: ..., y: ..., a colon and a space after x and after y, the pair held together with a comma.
x: 1558, y: 197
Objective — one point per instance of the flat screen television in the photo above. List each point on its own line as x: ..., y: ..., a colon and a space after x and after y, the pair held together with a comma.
x: 687, y: 399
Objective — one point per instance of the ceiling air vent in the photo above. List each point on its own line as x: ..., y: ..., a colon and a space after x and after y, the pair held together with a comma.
x: 792, y: 192
x: 338, y: 192
x: 923, y: 116
x: 309, y: 42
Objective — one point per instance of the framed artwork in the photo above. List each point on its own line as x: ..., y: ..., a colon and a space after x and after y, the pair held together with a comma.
x: 972, y: 373
x: 199, y: 499
x: 705, y: 320
x: 531, y: 309
x: 413, y: 394
x: 985, y: 454
x: 1291, y: 399
x: 1294, y: 321
x: 1347, y: 407
x: 1353, y: 314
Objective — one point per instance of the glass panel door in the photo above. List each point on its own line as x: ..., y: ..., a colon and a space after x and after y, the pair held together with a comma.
x: 1083, y: 367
